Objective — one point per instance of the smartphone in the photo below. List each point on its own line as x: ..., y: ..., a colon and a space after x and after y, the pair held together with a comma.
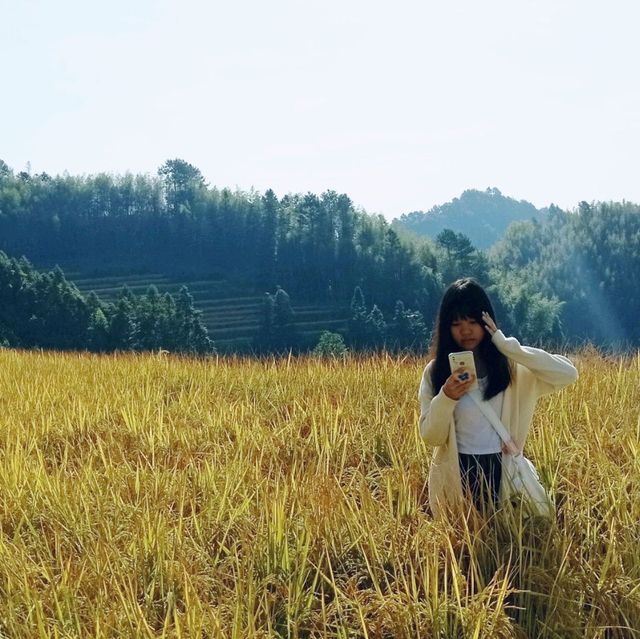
x: 465, y: 359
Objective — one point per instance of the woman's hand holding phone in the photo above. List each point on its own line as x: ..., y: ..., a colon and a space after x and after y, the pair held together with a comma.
x: 458, y: 383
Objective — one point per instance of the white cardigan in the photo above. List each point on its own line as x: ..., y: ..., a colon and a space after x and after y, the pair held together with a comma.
x: 535, y: 373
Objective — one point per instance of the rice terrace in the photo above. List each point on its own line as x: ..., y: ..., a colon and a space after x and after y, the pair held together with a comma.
x: 145, y: 495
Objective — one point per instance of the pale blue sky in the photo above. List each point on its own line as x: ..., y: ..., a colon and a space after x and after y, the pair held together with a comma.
x: 401, y: 105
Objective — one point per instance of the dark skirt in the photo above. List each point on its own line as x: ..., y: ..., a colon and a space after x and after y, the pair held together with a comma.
x: 481, y: 475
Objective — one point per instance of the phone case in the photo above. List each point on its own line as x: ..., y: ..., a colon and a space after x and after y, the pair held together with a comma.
x: 464, y: 358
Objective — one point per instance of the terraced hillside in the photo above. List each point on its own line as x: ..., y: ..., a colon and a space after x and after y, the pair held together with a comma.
x: 230, y: 311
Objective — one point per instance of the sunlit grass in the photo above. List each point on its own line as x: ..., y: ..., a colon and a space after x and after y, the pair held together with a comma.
x: 146, y: 496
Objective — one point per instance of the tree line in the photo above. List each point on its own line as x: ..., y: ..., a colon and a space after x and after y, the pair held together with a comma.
x: 579, y: 268
x: 316, y: 246
x: 367, y: 328
x: 44, y: 310
x: 565, y: 278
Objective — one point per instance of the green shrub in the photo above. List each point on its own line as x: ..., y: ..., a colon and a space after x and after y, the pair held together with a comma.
x: 330, y: 345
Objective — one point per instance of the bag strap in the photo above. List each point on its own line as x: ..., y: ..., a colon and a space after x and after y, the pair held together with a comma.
x: 487, y: 410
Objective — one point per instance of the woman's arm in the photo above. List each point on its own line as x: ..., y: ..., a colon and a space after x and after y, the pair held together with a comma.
x: 436, y: 412
x: 552, y: 371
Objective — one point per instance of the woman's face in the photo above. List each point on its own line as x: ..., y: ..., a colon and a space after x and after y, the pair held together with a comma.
x: 467, y: 333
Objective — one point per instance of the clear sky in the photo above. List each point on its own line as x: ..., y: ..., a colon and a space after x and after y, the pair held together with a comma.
x: 402, y: 105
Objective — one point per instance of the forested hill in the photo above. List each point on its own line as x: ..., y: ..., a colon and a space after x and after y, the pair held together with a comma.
x: 565, y: 278
x: 483, y: 216
x: 317, y: 247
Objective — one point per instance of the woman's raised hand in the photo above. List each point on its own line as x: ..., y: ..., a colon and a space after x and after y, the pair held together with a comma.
x: 489, y: 324
x: 454, y: 387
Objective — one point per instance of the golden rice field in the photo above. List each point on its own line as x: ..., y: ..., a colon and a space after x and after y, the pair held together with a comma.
x: 147, y: 496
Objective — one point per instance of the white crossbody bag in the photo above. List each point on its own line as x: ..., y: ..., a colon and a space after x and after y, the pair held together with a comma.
x: 519, y: 473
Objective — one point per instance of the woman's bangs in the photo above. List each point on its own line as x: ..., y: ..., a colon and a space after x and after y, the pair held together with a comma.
x: 465, y: 309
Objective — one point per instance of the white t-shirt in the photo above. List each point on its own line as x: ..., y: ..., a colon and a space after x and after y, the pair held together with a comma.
x: 474, y: 433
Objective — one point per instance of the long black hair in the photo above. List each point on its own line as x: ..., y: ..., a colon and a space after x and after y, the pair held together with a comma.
x: 466, y: 299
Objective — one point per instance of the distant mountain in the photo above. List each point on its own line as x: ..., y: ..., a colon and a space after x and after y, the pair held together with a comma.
x: 482, y: 216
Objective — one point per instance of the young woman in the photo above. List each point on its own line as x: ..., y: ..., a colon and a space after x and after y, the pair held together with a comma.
x: 467, y: 459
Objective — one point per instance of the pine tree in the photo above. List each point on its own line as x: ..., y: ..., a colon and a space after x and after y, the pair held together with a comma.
x: 376, y: 328
x: 284, y: 328
x: 98, y: 332
x: 407, y: 329
x: 268, y: 248
x: 168, y: 325
x: 399, y: 329
x: 191, y: 334
x: 149, y: 321
x: 122, y: 324
x: 357, y: 325
x: 263, y: 340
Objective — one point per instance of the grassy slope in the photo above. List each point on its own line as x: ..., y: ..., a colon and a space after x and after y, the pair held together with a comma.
x: 149, y: 496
